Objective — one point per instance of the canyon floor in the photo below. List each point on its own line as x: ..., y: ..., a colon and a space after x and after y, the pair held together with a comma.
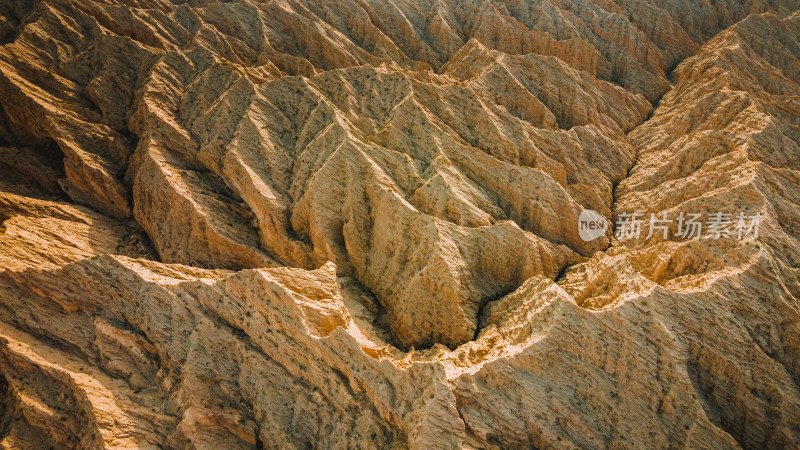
x: 358, y: 224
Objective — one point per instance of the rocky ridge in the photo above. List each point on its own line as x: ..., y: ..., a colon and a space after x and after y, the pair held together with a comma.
x: 272, y: 224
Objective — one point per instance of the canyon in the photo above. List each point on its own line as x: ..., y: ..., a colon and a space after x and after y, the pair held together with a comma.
x: 355, y: 223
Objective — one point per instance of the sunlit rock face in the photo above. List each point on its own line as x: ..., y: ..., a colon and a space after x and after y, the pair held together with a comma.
x: 292, y: 224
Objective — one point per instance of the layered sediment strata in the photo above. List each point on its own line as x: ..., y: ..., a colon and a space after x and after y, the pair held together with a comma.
x: 301, y: 223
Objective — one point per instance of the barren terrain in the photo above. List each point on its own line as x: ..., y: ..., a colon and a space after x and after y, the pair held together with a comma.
x: 355, y: 224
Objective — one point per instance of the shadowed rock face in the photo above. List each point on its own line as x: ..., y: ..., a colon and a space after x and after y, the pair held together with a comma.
x: 337, y: 224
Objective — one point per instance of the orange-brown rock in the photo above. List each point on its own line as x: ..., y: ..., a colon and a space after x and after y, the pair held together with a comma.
x: 284, y: 224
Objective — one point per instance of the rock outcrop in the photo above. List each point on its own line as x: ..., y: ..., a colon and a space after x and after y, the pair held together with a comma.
x: 356, y: 224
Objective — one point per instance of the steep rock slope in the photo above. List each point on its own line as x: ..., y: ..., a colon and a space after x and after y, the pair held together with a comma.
x: 272, y: 224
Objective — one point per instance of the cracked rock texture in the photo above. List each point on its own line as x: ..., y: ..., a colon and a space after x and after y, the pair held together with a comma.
x: 334, y: 224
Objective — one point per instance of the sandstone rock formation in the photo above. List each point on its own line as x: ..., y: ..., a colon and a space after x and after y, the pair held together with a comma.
x: 291, y: 224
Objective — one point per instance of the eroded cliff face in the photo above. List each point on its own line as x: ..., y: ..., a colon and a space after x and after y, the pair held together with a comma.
x: 355, y: 223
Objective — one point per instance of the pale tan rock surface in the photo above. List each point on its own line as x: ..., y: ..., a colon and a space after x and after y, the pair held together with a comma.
x: 293, y: 224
